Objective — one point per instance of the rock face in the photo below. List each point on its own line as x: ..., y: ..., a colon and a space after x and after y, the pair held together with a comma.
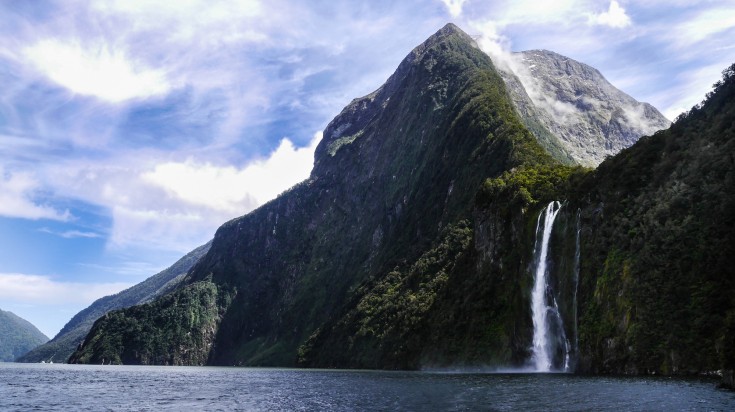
x: 72, y: 335
x: 17, y: 336
x: 590, y: 117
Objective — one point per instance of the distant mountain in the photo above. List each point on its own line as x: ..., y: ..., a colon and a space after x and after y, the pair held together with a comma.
x: 17, y: 336
x: 73, y: 333
x: 589, y: 116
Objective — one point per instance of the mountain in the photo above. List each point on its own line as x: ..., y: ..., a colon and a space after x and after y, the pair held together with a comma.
x: 590, y: 118
x: 66, y: 341
x: 394, y: 176
x: 17, y: 336
x: 437, y: 231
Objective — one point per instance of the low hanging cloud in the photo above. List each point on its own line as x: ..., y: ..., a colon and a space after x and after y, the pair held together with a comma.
x: 17, y: 192
x: 614, y: 17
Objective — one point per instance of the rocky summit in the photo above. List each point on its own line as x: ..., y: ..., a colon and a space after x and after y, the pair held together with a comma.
x: 589, y: 116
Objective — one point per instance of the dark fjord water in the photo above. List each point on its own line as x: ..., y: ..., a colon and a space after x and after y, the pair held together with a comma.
x: 70, y: 387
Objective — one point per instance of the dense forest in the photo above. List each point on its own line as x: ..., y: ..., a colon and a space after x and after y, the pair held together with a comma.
x: 17, y: 336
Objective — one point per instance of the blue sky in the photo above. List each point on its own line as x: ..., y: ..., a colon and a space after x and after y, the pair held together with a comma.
x: 130, y: 129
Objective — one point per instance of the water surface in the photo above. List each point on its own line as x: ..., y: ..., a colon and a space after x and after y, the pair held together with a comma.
x: 154, y: 388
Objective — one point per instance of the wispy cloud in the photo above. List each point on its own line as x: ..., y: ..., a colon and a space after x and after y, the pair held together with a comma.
x: 44, y: 290
x: 705, y: 24
x: 18, y: 192
x: 71, y: 234
x: 49, y: 302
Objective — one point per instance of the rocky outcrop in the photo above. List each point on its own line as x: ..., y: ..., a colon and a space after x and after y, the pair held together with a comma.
x: 575, y: 103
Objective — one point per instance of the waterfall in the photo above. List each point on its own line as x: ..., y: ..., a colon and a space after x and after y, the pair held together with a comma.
x: 549, y: 337
x: 576, y: 281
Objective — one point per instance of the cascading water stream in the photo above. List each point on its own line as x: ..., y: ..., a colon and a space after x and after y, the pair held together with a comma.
x: 576, y: 281
x: 548, y: 328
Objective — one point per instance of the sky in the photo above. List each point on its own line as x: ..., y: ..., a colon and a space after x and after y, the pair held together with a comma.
x: 131, y: 129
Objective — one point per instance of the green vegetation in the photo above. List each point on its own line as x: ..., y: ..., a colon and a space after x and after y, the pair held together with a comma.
x: 386, y: 326
x: 155, y: 333
x: 658, y: 286
x: 530, y: 186
x: 72, y: 335
x: 17, y: 336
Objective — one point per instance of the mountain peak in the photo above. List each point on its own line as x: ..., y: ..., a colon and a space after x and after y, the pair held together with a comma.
x: 349, y: 125
x: 449, y: 30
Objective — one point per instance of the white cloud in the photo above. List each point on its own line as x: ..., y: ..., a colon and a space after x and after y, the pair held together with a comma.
x: 98, y: 71
x: 493, y: 43
x: 49, y: 303
x: 44, y: 290
x: 454, y: 6
x: 177, y: 205
x: 17, y: 191
x: 615, y: 17
x: 225, y: 188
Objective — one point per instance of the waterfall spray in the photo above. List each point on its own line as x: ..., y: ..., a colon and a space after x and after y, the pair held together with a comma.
x: 548, y: 328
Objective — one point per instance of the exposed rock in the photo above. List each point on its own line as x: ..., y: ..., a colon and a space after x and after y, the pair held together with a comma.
x: 591, y: 118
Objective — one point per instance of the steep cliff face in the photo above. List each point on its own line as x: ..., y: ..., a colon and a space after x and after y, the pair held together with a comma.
x: 657, y: 291
x: 589, y: 116
x: 72, y: 335
x: 17, y: 336
x: 396, y: 172
x: 640, y: 267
